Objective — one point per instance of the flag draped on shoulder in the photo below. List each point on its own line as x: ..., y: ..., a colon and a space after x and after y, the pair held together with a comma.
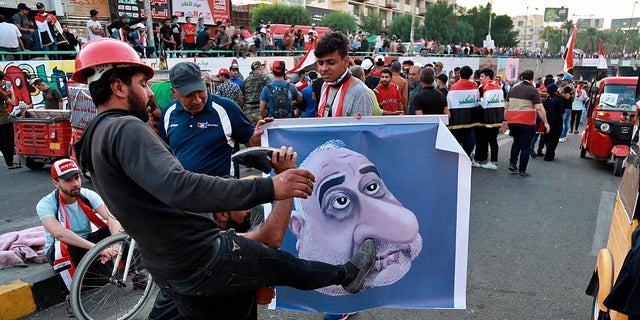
x: 567, y: 56
x: 463, y: 103
x: 308, y: 59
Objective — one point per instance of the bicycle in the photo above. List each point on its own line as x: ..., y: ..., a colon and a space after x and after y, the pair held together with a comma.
x: 117, y: 289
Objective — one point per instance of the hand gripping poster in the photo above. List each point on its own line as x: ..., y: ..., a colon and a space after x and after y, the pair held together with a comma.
x: 403, y: 182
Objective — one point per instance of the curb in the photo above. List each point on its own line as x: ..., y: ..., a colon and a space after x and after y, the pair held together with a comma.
x: 32, y: 293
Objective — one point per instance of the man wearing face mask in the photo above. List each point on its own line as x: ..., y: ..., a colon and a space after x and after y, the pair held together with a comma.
x: 342, y: 95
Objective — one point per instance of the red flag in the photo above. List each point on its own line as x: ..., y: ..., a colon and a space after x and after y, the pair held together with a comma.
x: 568, y: 53
x: 308, y: 59
x: 602, y: 60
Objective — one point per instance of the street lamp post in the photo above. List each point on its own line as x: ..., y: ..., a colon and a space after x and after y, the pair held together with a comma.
x: 626, y: 39
x: 526, y: 25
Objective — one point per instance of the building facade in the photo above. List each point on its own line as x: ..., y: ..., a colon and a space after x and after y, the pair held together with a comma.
x: 388, y: 9
x: 529, y: 29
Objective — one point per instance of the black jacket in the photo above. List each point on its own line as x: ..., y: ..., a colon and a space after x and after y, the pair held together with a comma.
x: 164, y: 207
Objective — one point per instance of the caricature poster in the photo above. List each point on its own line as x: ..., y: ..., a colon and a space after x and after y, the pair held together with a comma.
x: 404, y: 182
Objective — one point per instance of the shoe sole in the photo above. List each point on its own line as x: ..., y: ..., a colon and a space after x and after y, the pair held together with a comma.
x: 358, y: 282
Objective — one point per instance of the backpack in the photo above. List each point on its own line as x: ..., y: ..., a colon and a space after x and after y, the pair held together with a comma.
x: 282, y: 107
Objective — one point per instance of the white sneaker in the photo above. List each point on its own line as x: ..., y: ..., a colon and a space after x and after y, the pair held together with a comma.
x: 489, y: 165
x: 562, y: 140
x: 474, y: 164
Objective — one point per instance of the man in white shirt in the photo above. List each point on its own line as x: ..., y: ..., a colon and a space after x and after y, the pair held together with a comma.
x: 94, y: 27
x: 9, y: 36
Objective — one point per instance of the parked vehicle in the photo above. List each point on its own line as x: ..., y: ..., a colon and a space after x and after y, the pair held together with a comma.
x: 42, y: 136
x: 611, y: 117
x: 623, y: 222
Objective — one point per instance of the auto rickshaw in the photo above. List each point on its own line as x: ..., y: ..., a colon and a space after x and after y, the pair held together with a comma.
x: 623, y: 222
x: 611, y: 116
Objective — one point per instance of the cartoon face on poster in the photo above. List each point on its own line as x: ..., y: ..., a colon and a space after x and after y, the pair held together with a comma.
x: 396, y: 183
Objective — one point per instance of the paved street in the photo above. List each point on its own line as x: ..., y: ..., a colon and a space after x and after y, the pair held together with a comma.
x: 532, y: 240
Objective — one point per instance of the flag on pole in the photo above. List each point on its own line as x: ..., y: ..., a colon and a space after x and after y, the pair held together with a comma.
x: 308, y: 59
x: 568, y: 53
x: 602, y: 60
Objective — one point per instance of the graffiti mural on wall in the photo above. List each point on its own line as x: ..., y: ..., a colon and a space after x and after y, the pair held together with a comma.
x: 22, y: 73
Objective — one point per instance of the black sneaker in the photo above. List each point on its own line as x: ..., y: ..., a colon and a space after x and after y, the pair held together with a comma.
x: 533, y: 154
x: 363, y: 260
x: 513, y: 168
x: 522, y: 174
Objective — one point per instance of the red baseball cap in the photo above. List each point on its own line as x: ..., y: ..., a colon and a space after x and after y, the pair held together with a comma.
x: 278, y: 66
x: 64, y: 169
x: 222, y: 71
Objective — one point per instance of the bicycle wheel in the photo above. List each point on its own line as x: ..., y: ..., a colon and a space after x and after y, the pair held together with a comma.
x: 101, y: 291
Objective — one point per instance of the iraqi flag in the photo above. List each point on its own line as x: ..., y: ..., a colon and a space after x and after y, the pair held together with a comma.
x: 602, y: 64
x: 602, y: 60
x: 308, y: 59
x: 568, y: 53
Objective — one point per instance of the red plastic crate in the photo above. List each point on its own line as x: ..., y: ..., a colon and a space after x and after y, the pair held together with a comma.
x: 46, y: 133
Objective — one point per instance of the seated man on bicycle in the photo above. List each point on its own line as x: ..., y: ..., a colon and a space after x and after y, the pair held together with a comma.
x: 67, y: 214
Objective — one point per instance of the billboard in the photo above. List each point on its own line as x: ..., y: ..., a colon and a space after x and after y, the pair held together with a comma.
x: 210, y: 10
x: 556, y: 14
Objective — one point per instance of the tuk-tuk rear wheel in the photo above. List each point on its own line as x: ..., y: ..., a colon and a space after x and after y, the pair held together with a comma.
x: 583, y: 151
x: 595, y: 311
x: 617, y: 166
x: 32, y: 164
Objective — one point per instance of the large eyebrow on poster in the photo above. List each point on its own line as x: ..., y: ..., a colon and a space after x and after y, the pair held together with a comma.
x: 328, y: 185
x: 368, y: 169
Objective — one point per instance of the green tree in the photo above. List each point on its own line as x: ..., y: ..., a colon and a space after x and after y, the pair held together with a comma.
x: 553, y: 36
x: 440, y: 22
x: 478, y: 18
x: 501, y: 26
x: 588, y: 40
x: 464, y: 32
x: 401, y: 27
x: 278, y: 13
x: 502, y: 32
x: 338, y: 20
x: 371, y: 23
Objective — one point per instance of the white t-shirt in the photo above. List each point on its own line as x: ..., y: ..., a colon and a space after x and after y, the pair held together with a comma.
x: 578, y: 102
x: 10, y: 34
x: 80, y: 224
x: 96, y: 25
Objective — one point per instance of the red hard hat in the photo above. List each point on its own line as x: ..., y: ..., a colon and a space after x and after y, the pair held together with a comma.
x: 106, y: 53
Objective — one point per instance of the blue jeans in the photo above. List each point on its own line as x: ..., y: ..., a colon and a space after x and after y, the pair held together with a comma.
x: 522, y: 137
x: 242, y: 265
x: 51, y: 47
x: 565, y: 122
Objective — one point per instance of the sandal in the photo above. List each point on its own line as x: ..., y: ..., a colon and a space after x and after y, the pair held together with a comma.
x: 14, y: 166
x: 67, y: 308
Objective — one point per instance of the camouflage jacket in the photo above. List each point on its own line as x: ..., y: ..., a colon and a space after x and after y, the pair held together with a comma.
x: 252, y: 88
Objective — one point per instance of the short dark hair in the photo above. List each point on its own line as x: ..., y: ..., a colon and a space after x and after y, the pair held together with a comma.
x: 427, y: 75
x: 487, y: 72
x: 37, y: 81
x: 100, y: 89
x: 93, y: 12
x: 466, y: 72
x: 386, y: 70
x: 332, y: 42
x: 527, y: 75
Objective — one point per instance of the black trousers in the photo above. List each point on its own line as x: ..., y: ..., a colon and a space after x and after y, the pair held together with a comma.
x: 486, y: 138
x: 7, y: 145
